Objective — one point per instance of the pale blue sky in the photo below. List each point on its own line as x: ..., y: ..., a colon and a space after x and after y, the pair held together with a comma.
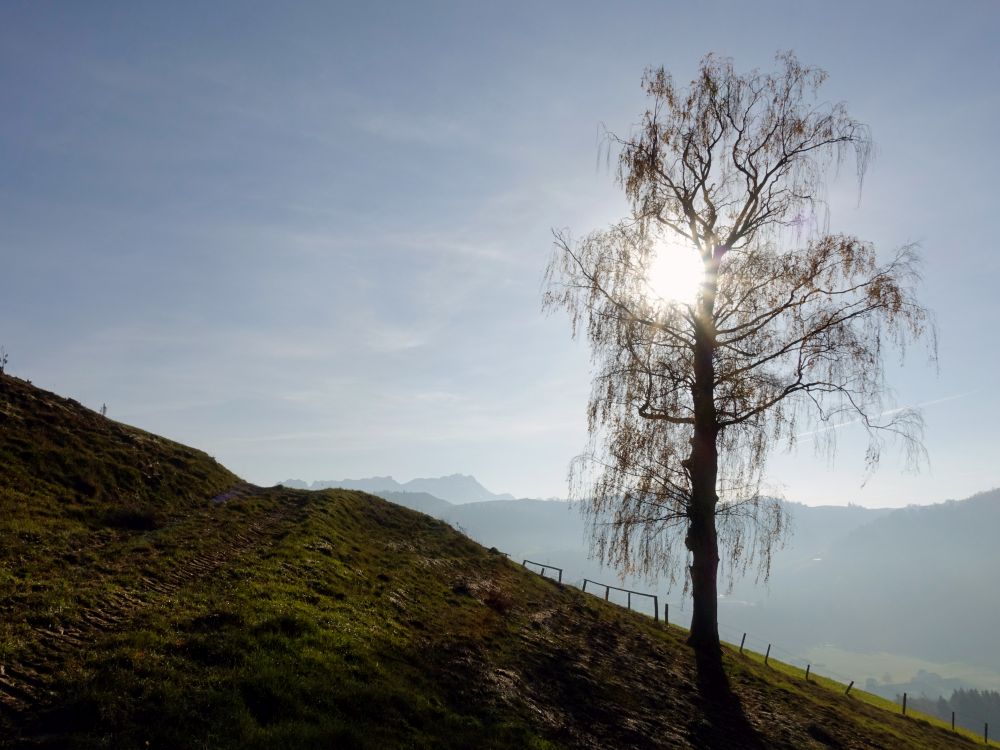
x: 309, y: 237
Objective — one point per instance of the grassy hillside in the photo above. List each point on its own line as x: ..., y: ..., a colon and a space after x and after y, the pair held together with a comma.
x: 151, y: 599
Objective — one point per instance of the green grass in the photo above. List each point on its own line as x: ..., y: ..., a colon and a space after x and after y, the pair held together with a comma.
x: 863, y: 696
x: 281, y: 618
x: 329, y: 636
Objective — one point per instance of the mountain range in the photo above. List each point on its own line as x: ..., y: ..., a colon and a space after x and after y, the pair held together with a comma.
x: 455, y: 489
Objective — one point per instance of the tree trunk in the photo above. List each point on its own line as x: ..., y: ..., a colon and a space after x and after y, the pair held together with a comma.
x: 702, y: 541
x: 703, y: 468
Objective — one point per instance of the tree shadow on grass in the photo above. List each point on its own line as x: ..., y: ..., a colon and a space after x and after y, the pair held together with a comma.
x: 722, y: 724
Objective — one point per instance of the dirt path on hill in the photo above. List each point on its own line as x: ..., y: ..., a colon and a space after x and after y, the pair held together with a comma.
x: 25, y: 683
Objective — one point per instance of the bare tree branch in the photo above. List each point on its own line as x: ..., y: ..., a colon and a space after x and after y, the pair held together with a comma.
x: 688, y: 400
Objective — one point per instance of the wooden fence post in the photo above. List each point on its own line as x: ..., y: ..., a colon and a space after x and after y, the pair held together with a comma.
x: 742, y: 641
x: 904, y: 704
x: 953, y: 721
x: 986, y: 733
x: 768, y: 654
x: 607, y: 591
x: 666, y: 613
x: 848, y: 691
x: 808, y: 667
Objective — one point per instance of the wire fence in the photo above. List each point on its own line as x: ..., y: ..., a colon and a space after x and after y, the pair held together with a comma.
x: 769, y: 654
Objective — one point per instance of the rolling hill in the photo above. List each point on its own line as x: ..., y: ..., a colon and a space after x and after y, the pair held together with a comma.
x: 150, y: 598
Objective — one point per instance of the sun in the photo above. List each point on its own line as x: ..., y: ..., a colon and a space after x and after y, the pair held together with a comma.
x: 675, y: 273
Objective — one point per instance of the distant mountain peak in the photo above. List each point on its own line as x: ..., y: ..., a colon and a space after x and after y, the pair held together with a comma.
x: 454, y: 488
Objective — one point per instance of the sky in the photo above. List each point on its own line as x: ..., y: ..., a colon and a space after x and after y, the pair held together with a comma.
x: 309, y: 238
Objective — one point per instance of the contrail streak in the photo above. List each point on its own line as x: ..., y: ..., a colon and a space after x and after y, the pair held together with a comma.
x: 922, y: 404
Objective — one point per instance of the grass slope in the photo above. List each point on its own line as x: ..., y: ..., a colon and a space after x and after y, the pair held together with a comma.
x: 151, y: 599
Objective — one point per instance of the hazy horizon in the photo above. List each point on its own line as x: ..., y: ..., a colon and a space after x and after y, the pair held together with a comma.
x: 563, y: 498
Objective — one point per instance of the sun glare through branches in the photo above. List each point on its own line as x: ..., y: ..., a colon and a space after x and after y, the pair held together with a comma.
x: 675, y: 273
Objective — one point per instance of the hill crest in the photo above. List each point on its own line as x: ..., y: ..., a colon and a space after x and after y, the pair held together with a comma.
x: 268, y: 617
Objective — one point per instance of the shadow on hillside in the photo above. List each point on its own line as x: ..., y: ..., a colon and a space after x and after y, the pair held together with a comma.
x: 723, y: 723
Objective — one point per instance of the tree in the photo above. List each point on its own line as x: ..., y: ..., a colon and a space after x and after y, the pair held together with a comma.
x: 787, y: 330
